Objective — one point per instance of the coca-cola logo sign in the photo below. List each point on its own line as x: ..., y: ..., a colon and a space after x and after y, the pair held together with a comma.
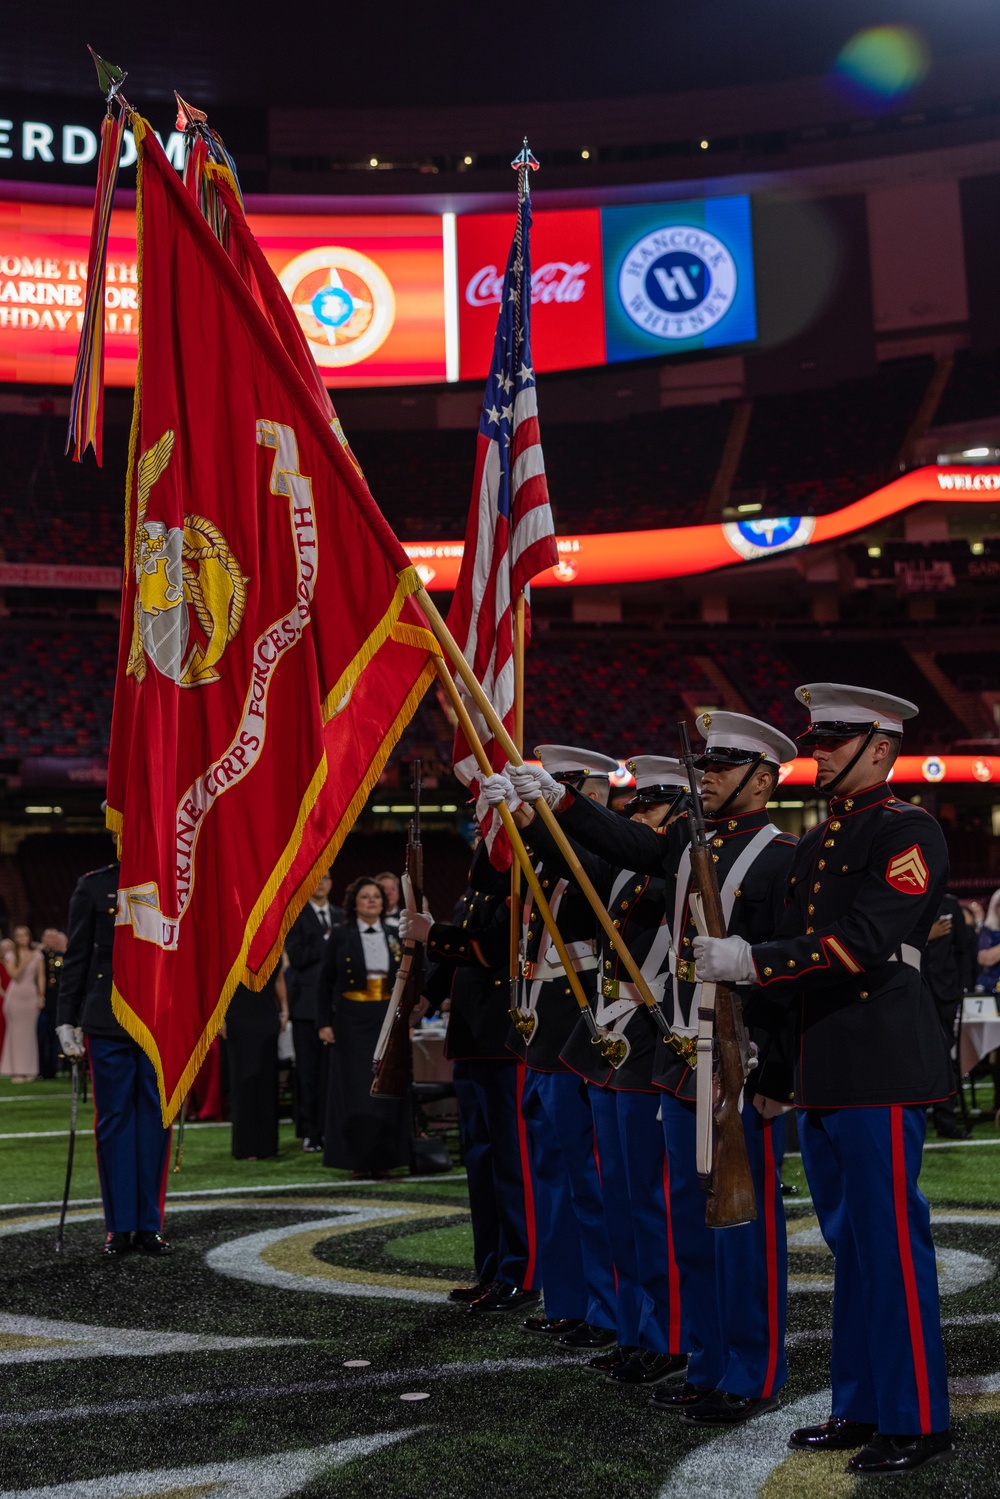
x: 557, y: 281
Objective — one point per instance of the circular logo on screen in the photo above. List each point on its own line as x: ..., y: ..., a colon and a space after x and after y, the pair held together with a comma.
x: 933, y: 769
x: 344, y: 303
x: 762, y: 538
x: 677, y: 282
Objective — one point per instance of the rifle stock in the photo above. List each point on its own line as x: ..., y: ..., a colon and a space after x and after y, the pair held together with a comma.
x: 731, y: 1197
x: 730, y: 1192
x: 393, y: 1064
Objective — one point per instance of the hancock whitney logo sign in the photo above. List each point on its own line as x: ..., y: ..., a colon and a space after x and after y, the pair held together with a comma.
x: 677, y: 282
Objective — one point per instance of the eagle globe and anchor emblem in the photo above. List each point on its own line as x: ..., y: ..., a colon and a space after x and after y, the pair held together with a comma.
x: 344, y: 302
x: 180, y: 572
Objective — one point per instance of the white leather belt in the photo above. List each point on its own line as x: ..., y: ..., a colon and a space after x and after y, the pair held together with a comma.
x: 907, y: 954
x: 542, y: 972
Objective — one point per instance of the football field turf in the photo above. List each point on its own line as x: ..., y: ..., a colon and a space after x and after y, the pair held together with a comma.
x: 271, y: 1353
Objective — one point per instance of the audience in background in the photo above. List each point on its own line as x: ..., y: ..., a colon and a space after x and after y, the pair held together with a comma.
x: 988, y: 956
x: 24, y: 998
x: 949, y: 970
x: 254, y: 1021
x: 305, y: 950
x: 365, y: 1135
x: 53, y: 947
x: 392, y: 891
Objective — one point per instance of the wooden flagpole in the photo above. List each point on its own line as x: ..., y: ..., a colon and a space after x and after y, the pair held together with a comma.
x: 541, y: 807
x: 522, y: 857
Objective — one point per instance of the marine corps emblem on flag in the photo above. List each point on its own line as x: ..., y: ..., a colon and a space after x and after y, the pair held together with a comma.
x: 908, y: 872
x: 180, y: 571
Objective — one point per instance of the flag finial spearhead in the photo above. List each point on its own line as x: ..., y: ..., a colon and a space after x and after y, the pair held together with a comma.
x: 109, y: 77
x: 524, y: 160
x: 187, y: 114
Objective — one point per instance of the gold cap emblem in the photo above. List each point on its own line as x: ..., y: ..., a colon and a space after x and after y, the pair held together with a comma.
x: 630, y: 766
x: 806, y: 696
x: 706, y: 719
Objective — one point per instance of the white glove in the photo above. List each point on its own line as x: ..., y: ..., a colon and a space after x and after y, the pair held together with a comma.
x: 71, y: 1040
x: 533, y: 784
x: 723, y: 960
x: 496, y: 789
x: 414, y: 926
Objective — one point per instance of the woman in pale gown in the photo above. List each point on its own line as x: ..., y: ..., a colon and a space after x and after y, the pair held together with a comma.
x: 24, y: 998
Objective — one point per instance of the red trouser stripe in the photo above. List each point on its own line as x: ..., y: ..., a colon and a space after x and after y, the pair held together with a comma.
x: 673, y: 1273
x: 906, y: 1264
x: 166, y: 1173
x: 529, y: 1193
x: 771, y: 1258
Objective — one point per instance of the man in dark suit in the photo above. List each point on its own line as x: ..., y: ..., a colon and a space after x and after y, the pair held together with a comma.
x: 306, y: 947
x: 132, y: 1144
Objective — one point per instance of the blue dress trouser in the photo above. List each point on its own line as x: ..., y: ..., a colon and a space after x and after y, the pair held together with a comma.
x: 887, y: 1358
x: 574, y: 1255
x: 494, y: 1145
x: 132, y: 1145
x: 734, y: 1281
x: 661, y: 1327
x: 617, y: 1214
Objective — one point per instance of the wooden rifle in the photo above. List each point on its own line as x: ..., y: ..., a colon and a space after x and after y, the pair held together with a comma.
x: 393, y: 1061
x: 722, y: 1044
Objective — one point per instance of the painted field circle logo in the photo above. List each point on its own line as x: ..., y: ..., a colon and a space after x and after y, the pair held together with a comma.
x: 677, y: 282
x: 344, y: 303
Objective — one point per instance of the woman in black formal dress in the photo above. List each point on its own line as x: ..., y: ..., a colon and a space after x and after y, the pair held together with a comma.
x: 364, y: 1135
x: 253, y: 1023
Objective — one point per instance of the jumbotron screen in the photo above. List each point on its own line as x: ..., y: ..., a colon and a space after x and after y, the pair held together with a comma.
x: 402, y: 299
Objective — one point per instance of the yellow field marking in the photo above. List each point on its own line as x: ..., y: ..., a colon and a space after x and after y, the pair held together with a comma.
x: 819, y: 1474
x: 296, y: 1255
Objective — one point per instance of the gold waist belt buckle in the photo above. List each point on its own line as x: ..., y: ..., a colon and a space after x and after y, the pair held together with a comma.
x: 685, y: 971
x: 377, y: 988
x: 609, y: 988
x: 527, y: 970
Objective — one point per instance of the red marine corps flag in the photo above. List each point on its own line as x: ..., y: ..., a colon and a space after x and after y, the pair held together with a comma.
x: 270, y: 656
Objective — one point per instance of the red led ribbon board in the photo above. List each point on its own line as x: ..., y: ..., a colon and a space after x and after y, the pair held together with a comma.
x: 567, y: 303
x: 682, y: 551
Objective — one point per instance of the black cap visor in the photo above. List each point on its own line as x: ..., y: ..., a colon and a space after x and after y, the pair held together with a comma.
x: 726, y: 757
x: 832, y: 731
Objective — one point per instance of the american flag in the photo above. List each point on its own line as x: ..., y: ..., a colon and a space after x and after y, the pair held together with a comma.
x: 510, y: 534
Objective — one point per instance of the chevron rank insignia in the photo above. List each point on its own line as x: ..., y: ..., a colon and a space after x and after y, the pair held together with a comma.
x: 908, y: 872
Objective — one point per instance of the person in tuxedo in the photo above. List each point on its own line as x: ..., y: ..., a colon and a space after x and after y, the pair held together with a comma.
x: 306, y: 949
x: 364, y: 1135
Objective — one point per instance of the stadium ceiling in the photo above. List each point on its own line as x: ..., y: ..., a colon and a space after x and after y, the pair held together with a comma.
x: 454, y: 53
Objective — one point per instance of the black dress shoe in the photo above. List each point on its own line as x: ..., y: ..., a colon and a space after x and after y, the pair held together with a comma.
x: 888, y: 1454
x: 680, y: 1399
x: 462, y: 1295
x: 789, y: 1189
x: 150, y: 1243
x: 646, y: 1367
x: 953, y: 1132
x: 835, y: 1435
x: 312, y: 1147
x: 587, y: 1338
x: 723, y: 1409
x: 603, y: 1363
x: 504, y: 1298
x: 116, y: 1244
x: 551, y: 1326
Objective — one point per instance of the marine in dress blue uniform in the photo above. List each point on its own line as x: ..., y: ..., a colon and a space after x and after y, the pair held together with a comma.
x: 870, y: 1056
x: 132, y: 1144
x: 574, y: 1255
x: 472, y: 968
x: 733, y: 1281
x: 624, y: 1100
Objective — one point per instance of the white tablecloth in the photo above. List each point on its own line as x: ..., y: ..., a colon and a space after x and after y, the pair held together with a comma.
x: 980, y: 1032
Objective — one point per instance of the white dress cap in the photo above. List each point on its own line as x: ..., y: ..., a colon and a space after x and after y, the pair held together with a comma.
x: 657, y: 770
x: 835, y: 703
x: 738, y: 731
x: 566, y: 759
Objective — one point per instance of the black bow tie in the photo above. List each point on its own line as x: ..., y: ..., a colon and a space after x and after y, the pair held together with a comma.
x: 370, y: 929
